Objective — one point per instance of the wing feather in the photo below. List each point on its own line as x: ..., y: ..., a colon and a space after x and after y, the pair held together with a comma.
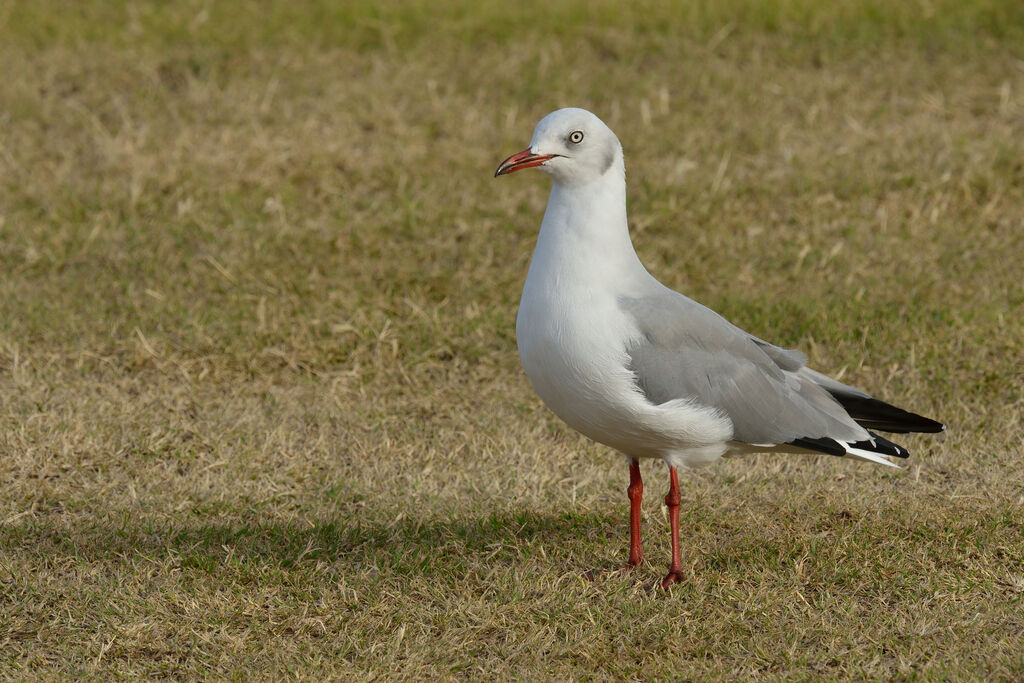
x: 686, y: 350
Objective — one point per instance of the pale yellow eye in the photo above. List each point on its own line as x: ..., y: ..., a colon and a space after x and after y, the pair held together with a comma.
x: 576, y: 137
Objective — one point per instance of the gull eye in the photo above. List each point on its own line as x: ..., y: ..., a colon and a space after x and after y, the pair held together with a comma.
x: 576, y: 137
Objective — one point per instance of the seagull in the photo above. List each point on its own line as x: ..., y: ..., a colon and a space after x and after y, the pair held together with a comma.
x: 636, y: 366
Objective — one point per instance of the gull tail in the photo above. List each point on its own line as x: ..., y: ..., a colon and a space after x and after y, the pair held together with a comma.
x: 877, y: 449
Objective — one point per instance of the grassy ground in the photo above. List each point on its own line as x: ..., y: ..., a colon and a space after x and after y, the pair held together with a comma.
x: 260, y: 407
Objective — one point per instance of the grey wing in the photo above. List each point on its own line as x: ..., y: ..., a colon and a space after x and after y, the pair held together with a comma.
x: 688, y: 351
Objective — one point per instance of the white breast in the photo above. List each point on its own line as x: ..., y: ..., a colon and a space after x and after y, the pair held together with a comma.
x: 573, y: 334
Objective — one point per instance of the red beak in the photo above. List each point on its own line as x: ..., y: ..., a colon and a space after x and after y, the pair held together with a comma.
x: 524, y: 159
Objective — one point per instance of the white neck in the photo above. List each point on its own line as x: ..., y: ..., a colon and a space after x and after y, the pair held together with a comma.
x: 585, y: 232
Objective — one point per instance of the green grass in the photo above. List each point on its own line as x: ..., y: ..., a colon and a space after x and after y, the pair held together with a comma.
x: 261, y: 413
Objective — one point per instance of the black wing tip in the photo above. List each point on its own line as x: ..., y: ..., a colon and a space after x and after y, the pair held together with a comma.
x: 871, y: 413
x: 879, y: 444
x: 822, y: 445
x: 918, y: 424
x: 922, y: 425
x: 876, y: 444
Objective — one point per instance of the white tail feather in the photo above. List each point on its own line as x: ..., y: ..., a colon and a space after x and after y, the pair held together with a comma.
x: 861, y: 454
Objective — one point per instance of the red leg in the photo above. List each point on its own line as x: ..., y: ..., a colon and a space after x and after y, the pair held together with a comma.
x: 675, y: 572
x: 636, y: 494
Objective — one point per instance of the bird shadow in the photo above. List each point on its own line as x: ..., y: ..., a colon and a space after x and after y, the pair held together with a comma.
x: 420, y: 545
x: 368, y: 542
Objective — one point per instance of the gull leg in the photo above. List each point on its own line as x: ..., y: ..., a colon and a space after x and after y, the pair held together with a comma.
x: 636, y: 494
x: 675, y: 571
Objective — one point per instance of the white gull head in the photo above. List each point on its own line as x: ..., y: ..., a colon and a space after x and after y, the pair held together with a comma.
x: 572, y: 146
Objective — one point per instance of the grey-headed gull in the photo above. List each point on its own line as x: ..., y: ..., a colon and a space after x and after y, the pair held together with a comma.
x: 639, y: 367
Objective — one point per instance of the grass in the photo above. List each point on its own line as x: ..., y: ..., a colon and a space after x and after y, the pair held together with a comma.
x: 261, y: 413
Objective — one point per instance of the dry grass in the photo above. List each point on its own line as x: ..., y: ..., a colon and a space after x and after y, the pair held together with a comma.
x: 260, y: 408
